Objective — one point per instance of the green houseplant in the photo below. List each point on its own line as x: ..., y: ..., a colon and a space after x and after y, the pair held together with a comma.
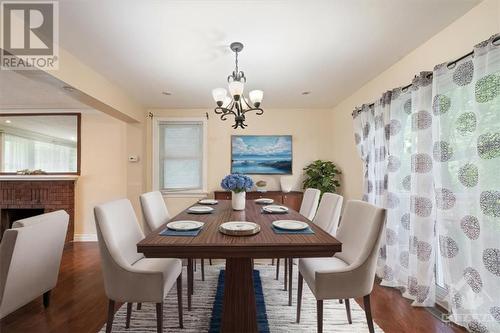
x: 322, y: 175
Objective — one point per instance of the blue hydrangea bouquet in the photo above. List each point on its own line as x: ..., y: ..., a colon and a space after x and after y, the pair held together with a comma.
x: 237, y: 183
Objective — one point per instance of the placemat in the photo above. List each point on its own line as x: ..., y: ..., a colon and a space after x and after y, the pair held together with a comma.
x: 188, y: 233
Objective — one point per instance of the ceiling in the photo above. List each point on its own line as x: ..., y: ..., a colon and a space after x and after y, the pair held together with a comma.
x: 330, y: 48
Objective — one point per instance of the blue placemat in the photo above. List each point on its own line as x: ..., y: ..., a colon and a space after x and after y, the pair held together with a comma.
x: 306, y: 231
x: 188, y: 233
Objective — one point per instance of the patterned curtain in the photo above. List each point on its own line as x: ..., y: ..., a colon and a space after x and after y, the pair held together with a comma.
x: 440, y: 183
x: 467, y: 179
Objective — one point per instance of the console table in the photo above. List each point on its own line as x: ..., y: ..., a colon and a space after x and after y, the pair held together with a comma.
x: 290, y: 199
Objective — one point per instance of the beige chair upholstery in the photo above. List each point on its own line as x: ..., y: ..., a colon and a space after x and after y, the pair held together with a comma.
x: 30, y: 256
x: 350, y: 273
x: 154, y: 210
x: 310, y: 203
x: 128, y: 275
x: 328, y: 213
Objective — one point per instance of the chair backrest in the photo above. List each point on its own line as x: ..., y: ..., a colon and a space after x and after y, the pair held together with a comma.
x: 359, y: 231
x: 328, y: 214
x: 118, y: 233
x: 154, y: 210
x: 30, y: 256
x: 310, y: 203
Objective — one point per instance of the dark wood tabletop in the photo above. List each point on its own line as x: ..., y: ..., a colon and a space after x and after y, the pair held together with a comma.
x: 210, y: 243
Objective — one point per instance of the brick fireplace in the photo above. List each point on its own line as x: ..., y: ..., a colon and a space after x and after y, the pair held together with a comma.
x: 22, y: 197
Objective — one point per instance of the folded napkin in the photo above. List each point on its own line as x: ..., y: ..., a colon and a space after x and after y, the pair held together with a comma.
x: 188, y: 233
x: 306, y: 231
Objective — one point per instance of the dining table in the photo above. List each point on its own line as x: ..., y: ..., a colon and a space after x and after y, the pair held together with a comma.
x: 239, y: 313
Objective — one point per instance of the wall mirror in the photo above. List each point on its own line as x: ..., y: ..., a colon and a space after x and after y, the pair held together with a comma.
x: 40, y: 143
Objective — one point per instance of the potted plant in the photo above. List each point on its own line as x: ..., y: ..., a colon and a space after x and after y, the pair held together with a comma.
x: 238, y: 184
x: 322, y: 175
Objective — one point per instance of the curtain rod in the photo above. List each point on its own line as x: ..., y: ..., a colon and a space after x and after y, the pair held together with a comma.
x: 449, y: 65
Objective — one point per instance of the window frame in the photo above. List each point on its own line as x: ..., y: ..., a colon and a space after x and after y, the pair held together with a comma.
x: 157, y: 121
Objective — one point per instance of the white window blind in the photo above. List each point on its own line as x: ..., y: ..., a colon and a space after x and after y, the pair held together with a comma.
x: 180, y: 155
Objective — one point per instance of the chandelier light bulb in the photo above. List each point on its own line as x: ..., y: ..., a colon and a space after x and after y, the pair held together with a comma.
x: 219, y: 94
x: 236, y: 88
x: 256, y: 97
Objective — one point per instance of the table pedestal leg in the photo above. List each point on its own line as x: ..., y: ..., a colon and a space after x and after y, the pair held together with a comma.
x: 239, y: 312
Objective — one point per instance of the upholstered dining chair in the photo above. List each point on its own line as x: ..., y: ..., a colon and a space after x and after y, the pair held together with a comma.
x: 30, y: 256
x: 156, y: 214
x: 128, y: 275
x: 350, y: 273
x: 327, y: 218
x: 307, y: 209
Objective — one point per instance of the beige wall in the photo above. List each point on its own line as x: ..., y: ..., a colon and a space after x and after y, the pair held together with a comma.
x: 452, y: 42
x: 312, y: 137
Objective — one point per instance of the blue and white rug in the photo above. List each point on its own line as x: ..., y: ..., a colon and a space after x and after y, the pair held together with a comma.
x: 274, y: 314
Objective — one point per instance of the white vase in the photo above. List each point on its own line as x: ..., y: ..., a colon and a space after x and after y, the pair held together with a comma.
x: 286, y: 184
x: 238, y: 200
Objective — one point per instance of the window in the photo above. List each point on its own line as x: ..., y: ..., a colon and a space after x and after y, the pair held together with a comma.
x: 180, y: 155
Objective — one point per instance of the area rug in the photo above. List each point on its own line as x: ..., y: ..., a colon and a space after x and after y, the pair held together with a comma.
x: 280, y: 317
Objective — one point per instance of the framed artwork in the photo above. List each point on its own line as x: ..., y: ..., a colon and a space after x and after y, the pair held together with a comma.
x: 261, y: 154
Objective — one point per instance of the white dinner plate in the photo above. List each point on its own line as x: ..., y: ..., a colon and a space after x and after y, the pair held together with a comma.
x: 290, y: 225
x: 208, y: 202
x: 239, y: 228
x: 185, y: 225
x: 275, y: 209
x: 200, y: 209
x: 264, y: 201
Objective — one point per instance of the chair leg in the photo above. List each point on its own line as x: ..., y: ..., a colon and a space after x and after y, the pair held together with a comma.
x: 159, y: 317
x: 272, y: 261
x: 341, y: 301
x: 194, y: 265
x: 210, y: 262
x: 300, y: 284
x: 179, y: 300
x: 202, y: 269
x: 285, y: 266
x: 277, y: 268
x: 46, y: 299
x: 129, y: 313
x: 189, y: 282
x: 348, y: 310
x: 139, y: 306
x: 290, y: 280
x: 111, y: 315
x: 368, y: 312
x: 319, y: 310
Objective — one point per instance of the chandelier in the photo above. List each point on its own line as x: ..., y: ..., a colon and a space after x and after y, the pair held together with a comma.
x: 236, y: 103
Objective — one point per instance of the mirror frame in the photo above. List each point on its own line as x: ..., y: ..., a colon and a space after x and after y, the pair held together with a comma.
x: 78, y: 136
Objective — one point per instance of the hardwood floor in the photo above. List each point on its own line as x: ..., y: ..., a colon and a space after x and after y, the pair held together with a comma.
x: 78, y: 303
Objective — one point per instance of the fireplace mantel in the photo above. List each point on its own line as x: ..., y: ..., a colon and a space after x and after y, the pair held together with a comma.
x: 31, y: 178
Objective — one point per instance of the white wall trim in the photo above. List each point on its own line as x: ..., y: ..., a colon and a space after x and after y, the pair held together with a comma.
x: 85, y: 238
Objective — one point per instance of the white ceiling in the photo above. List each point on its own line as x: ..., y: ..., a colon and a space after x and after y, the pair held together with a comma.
x: 330, y: 48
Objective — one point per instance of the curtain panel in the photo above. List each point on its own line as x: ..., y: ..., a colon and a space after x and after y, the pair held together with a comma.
x: 439, y: 162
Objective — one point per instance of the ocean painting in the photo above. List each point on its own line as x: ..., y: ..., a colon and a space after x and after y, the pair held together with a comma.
x: 261, y: 154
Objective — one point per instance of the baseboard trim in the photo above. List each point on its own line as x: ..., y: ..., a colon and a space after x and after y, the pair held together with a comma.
x: 85, y: 238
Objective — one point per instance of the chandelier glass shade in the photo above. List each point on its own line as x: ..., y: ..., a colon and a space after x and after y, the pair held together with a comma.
x: 233, y: 102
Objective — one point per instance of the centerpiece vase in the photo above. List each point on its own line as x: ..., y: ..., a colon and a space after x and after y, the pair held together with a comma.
x: 238, y: 200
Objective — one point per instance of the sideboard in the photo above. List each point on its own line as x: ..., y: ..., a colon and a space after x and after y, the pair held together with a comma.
x: 291, y: 199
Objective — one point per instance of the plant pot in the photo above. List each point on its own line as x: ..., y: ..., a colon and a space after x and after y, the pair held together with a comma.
x: 238, y: 200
